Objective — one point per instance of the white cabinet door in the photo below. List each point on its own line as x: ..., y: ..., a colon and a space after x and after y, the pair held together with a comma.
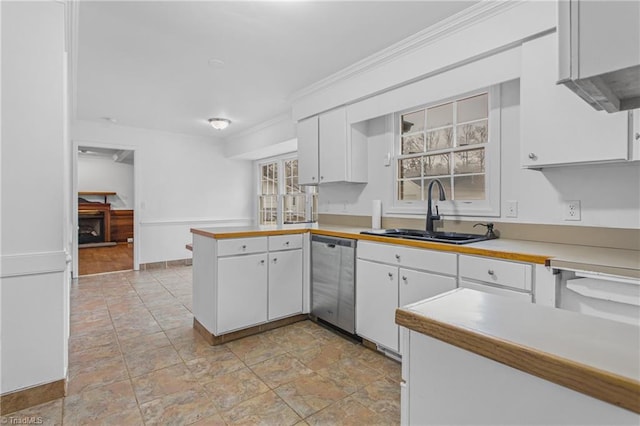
x: 556, y: 126
x: 609, y: 37
x: 308, y: 151
x: 376, y: 303
x: 634, y: 135
x: 499, y: 272
x: 416, y: 285
x: 285, y: 283
x: 333, y: 145
x: 242, y: 292
x: 526, y: 297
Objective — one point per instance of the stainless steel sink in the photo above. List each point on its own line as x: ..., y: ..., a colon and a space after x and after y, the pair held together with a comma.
x: 440, y: 237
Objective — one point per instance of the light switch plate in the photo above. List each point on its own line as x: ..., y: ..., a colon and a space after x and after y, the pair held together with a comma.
x: 572, y: 210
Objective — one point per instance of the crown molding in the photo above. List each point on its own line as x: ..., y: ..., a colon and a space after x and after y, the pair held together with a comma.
x: 284, y: 117
x: 457, y: 22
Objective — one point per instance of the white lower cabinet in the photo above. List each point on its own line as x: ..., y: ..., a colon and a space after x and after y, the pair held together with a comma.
x: 417, y: 285
x: 505, y: 278
x: 376, y: 303
x: 243, y: 282
x: 444, y: 384
x: 382, y: 287
x: 495, y: 290
x: 242, y: 291
x: 285, y: 284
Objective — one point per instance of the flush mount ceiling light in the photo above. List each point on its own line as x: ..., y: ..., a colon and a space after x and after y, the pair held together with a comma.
x: 219, y: 123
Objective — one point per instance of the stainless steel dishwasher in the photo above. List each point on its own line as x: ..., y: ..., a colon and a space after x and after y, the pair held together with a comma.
x: 333, y: 281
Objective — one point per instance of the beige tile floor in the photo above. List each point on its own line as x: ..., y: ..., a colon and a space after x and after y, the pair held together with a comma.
x: 135, y: 359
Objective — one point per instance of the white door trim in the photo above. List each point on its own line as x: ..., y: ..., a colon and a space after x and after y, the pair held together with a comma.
x: 136, y: 196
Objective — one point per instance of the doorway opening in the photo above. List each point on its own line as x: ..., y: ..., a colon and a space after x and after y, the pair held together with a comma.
x: 105, y: 209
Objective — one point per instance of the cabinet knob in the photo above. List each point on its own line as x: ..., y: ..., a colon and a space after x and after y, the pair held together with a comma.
x: 275, y: 260
x: 532, y: 156
x: 404, y: 278
x: 397, y: 257
x: 637, y: 135
x: 286, y: 243
x: 262, y: 262
x: 244, y: 247
x: 490, y: 272
x: 313, y: 178
x: 321, y: 177
x: 390, y: 275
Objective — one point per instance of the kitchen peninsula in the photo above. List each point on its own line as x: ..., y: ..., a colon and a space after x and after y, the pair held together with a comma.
x: 229, y: 261
x: 508, y: 362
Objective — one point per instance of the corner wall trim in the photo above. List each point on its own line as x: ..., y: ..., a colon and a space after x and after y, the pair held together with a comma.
x: 30, y: 397
x: 15, y: 265
x: 242, y: 221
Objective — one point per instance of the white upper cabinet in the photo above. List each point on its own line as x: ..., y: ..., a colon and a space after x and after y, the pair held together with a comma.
x: 600, y: 52
x: 634, y: 136
x: 333, y: 146
x: 329, y: 150
x: 556, y: 126
x: 308, y: 151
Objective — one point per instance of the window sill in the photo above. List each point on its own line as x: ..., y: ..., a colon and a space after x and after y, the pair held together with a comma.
x: 444, y: 211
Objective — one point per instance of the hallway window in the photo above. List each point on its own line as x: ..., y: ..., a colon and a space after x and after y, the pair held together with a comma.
x: 280, y: 198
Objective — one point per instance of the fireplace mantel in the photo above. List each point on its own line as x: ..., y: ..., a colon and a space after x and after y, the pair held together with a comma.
x: 100, y: 193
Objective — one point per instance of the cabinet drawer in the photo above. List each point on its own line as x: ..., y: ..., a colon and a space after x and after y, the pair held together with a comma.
x: 285, y: 242
x: 428, y: 260
x: 500, y: 272
x: 235, y: 246
x: 496, y: 290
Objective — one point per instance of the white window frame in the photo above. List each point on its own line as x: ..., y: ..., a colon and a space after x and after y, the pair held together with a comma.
x: 280, y: 160
x: 490, y: 206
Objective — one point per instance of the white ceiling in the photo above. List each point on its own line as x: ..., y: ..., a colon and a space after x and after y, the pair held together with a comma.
x: 146, y: 64
x: 117, y: 155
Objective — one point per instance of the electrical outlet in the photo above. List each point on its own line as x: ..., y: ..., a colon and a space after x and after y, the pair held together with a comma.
x: 572, y: 210
x: 512, y: 209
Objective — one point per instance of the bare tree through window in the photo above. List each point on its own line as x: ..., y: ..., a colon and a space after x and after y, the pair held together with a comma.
x: 446, y: 141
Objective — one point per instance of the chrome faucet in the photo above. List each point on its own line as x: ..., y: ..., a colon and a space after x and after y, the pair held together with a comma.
x: 430, y: 216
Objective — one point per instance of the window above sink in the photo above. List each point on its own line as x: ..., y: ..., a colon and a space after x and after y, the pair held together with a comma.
x: 457, y: 141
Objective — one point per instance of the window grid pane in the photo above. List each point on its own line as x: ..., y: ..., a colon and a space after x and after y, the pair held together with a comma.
x: 269, y: 181
x: 450, y: 135
x: 294, y: 208
x: 291, y: 177
x: 296, y: 200
x: 268, y: 209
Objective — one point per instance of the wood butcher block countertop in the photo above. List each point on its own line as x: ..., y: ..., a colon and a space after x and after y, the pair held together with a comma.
x: 594, y: 356
x: 611, y: 261
x: 247, y: 231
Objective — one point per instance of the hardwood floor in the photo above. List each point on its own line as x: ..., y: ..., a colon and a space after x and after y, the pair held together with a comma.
x: 97, y: 260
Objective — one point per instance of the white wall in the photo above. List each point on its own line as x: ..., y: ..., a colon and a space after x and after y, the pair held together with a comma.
x: 609, y: 194
x: 183, y: 181
x: 98, y: 173
x: 274, y: 137
x: 34, y: 280
x: 479, y: 31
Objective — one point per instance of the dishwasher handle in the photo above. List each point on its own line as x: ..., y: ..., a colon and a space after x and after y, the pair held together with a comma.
x: 332, y: 242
